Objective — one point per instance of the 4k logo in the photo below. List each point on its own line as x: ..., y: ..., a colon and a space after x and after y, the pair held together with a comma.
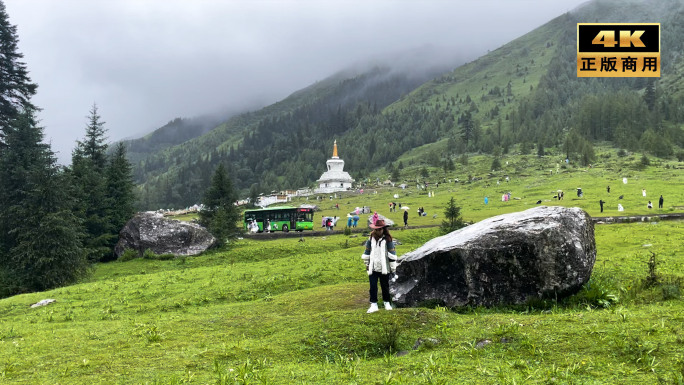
x: 618, y: 50
x: 627, y: 39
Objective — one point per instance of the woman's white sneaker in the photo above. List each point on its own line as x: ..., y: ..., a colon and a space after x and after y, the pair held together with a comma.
x: 388, y: 306
x: 373, y: 308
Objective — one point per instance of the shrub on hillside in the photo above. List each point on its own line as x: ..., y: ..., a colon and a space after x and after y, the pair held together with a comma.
x: 149, y: 254
x: 453, y: 220
x: 128, y: 255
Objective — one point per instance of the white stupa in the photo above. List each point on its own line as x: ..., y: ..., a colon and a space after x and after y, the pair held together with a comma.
x: 335, y: 179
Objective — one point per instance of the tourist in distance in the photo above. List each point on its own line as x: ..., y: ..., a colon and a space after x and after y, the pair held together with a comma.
x: 380, y: 259
x: 406, y: 218
x: 660, y: 202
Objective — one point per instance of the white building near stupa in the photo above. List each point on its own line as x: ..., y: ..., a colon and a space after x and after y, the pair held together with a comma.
x: 335, y: 179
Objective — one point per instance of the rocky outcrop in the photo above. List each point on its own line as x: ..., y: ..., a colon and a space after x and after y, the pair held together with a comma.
x: 162, y: 236
x: 507, y: 259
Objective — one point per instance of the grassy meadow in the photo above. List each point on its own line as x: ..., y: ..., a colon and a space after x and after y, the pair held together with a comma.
x: 286, y: 311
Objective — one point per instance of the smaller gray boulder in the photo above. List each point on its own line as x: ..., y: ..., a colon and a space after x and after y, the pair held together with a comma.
x: 163, y: 236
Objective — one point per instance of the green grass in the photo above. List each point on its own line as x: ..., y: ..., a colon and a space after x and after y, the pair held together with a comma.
x: 531, y: 179
x: 284, y: 311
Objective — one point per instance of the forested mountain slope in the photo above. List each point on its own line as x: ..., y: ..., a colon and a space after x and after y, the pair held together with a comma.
x: 525, y: 92
x: 281, y: 145
x: 176, y: 131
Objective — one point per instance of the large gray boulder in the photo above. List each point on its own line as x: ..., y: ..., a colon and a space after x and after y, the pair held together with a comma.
x: 507, y: 259
x: 162, y: 236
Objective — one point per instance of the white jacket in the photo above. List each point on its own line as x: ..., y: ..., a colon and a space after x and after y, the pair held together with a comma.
x: 380, y: 256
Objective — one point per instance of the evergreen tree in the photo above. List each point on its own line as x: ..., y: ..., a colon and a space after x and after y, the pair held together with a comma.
x: 650, y: 95
x: 467, y: 127
x: 88, y: 170
x: 253, y: 194
x: 219, y: 214
x: 453, y: 220
x: 396, y: 175
x: 94, y: 146
x: 16, y: 88
x: 42, y: 243
x: 120, y: 188
x: 496, y: 164
x: 424, y: 172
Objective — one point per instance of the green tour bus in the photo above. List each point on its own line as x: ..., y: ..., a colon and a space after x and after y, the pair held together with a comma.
x: 280, y: 219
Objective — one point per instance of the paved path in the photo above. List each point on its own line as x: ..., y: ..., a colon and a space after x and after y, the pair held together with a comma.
x: 638, y: 218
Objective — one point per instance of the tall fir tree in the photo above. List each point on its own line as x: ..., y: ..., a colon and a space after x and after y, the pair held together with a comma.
x: 219, y: 214
x: 94, y: 145
x: 42, y: 243
x: 120, y: 189
x: 88, y: 170
x: 16, y: 88
x: 467, y: 127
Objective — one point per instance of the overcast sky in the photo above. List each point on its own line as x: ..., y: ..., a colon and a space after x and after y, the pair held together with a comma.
x: 145, y: 62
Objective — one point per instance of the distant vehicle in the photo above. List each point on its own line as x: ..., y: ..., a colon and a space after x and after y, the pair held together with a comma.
x: 280, y: 218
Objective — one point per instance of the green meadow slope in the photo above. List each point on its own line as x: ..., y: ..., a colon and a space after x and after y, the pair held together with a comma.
x: 287, y: 311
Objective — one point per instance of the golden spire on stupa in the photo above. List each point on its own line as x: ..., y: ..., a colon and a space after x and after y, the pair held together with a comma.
x: 335, y: 149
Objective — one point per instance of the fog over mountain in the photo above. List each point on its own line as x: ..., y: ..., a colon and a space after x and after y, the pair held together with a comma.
x: 146, y: 62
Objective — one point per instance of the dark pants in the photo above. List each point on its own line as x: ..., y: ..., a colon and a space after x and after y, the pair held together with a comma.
x: 384, y: 285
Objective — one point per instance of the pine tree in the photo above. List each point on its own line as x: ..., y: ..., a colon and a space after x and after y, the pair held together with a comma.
x: 650, y: 95
x: 42, y: 243
x: 120, y: 188
x: 496, y: 164
x: 467, y: 127
x: 94, y: 146
x: 18, y: 159
x: 452, y: 214
x: 219, y: 214
x: 253, y: 194
x: 88, y: 163
x: 16, y: 88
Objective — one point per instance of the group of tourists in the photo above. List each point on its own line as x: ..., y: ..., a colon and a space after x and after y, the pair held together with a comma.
x: 352, y: 220
x: 620, y: 207
x: 329, y: 223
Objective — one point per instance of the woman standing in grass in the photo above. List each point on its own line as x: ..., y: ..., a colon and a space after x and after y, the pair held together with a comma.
x: 381, y: 261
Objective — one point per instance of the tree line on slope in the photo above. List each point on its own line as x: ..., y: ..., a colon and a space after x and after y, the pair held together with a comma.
x: 54, y: 221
